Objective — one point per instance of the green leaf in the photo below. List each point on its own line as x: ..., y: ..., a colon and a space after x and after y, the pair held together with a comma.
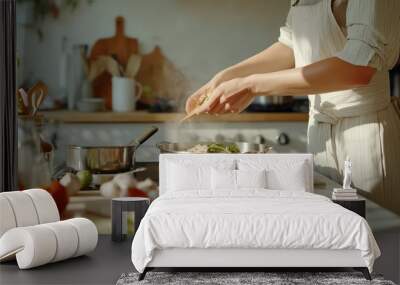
x: 233, y: 148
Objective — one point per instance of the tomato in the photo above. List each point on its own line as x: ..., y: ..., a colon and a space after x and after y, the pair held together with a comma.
x: 59, y: 194
x: 134, y: 192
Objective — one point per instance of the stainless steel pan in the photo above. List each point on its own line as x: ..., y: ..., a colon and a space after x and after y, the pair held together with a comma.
x: 106, y: 159
x: 167, y: 147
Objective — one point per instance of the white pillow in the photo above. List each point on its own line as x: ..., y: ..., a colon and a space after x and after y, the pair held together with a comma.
x: 294, y: 180
x: 291, y: 175
x: 181, y: 177
x: 226, y: 179
x: 223, y: 179
x: 186, y: 175
x: 251, y: 179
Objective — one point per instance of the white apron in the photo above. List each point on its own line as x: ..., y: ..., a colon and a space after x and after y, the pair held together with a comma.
x: 360, y: 123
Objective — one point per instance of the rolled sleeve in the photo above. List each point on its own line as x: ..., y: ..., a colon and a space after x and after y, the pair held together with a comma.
x: 285, y: 36
x: 370, y: 24
x: 363, y: 47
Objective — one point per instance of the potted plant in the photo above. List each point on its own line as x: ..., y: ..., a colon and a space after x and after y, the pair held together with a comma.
x: 33, y: 12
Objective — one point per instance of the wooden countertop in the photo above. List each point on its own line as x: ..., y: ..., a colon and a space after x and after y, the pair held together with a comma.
x: 146, y: 117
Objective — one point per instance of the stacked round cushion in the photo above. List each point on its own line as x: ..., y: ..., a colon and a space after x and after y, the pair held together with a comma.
x: 31, y: 230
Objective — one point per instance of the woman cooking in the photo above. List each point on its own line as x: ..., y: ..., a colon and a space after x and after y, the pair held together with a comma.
x: 338, y: 52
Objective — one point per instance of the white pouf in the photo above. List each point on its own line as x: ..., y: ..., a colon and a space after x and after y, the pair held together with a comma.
x: 32, y: 246
x: 31, y: 231
x: 23, y: 208
x: 40, y: 244
x: 7, y: 218
x: 66, y: 237
x: 45, y: 205
x: 26, y: 208
x: 87, y: 234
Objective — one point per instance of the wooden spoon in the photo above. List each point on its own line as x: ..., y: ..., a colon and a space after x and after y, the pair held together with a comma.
x: 36, y: 96
x: 22, y: 100
x: 113, y: 67
x: 97, y: 67
x: 133, y: 65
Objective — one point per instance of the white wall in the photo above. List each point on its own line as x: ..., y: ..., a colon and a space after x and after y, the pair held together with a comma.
x: 199, y: 36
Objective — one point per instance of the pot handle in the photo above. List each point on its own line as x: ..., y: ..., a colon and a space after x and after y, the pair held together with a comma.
x: 144, y: 137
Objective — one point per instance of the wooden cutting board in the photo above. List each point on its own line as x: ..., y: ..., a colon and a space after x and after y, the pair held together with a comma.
x: 119, y: 46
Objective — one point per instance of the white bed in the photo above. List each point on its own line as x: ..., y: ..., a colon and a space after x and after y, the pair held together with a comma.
x: 205, y: 226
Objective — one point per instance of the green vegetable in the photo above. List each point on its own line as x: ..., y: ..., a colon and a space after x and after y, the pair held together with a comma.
x: 85, y: 178
x: 220, y: 148
x: 233, y: 148
x: 216, y: 148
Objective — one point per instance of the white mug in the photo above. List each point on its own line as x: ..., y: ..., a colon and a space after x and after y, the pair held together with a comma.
x: 124, y: 95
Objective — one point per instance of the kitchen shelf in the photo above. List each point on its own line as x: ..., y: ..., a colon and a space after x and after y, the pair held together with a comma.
x: 75, y: 117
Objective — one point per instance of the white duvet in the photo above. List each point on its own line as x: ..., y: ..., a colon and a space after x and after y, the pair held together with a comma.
x: 250, y: 219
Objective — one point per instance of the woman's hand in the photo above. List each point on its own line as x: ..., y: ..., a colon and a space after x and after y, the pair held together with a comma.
x: 232, y: 96
x: 197, y: 98
x: 276, y: 57
x: 201, y: 95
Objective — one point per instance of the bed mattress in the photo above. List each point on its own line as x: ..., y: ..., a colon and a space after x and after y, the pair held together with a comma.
x: 250, y: 219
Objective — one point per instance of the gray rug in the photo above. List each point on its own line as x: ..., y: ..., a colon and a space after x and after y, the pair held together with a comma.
x: 243, y: 278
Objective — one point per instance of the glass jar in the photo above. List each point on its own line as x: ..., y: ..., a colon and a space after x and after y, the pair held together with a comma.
x: 35, y: 155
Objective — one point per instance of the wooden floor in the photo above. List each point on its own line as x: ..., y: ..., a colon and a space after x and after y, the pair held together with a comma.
x: 103, y: 266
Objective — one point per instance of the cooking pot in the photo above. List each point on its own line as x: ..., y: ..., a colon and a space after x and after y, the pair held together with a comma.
x: 106, y: 159
x: 244, y: 147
